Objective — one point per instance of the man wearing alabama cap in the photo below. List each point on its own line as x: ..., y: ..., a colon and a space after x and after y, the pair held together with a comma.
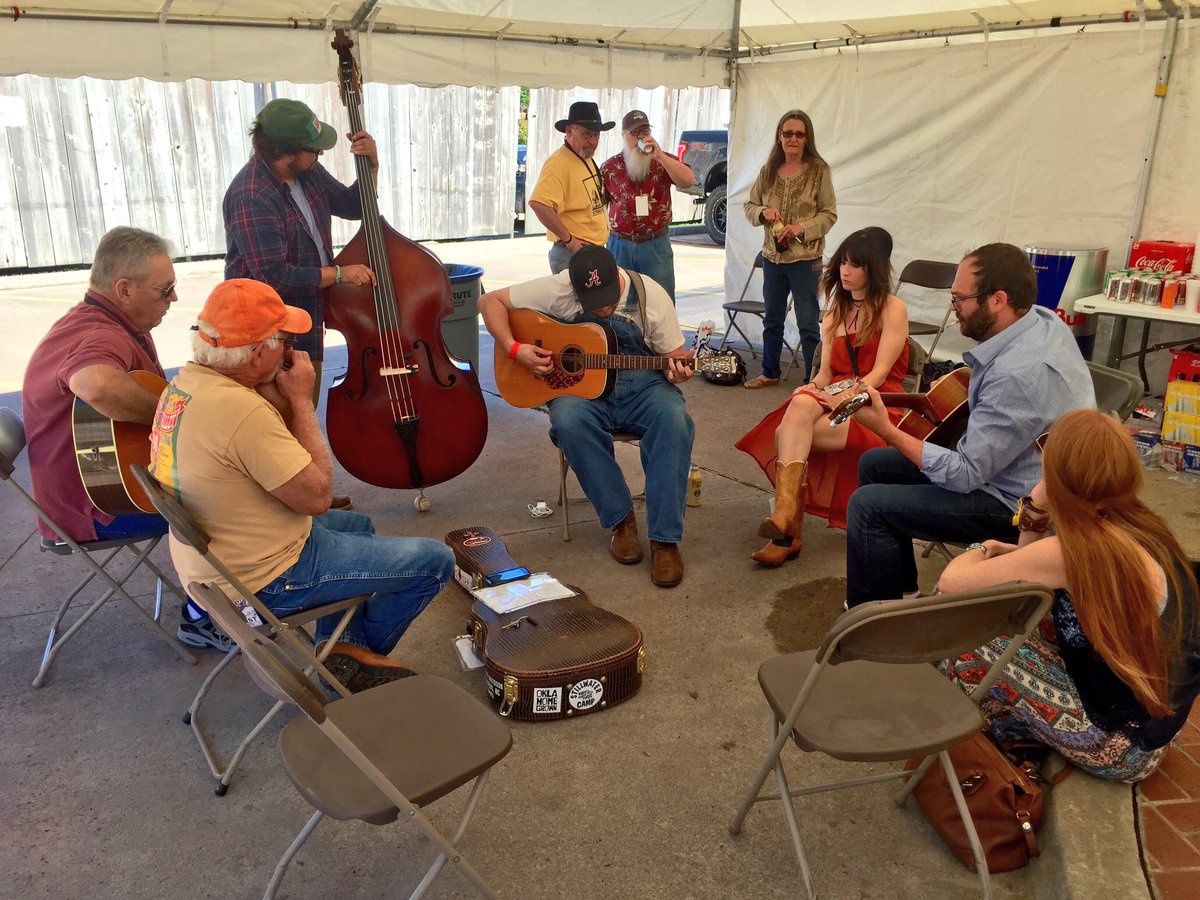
x: 645, y: 402
x: 236, y: 438
x: 639, y: 181
x: 569, y: 196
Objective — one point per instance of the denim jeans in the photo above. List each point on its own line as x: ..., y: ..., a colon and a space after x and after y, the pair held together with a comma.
x: 134, y: 525
x: 894, y: 504
x: 646, y: 404
x: 560, y: 257
x: 800, y: 280
x: 343, y: 558
x: 655, y: 259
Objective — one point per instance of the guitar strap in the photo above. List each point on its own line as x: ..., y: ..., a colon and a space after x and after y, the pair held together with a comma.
x: 853, y: 353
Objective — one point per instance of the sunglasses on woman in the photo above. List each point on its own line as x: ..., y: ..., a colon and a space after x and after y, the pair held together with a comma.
x: 1039, y: 442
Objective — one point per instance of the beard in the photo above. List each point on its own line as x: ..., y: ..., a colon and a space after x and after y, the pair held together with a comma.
x: 978, y: 325
x: 637, y: 164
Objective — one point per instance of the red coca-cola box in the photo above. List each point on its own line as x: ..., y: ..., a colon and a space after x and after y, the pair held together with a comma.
x: 1162, y: 256
x: 1185, y: 366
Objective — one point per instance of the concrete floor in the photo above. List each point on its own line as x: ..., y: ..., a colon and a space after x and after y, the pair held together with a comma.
x: 106, y: 795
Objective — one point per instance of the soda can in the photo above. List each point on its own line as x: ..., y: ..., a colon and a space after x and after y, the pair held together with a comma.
x: 1151, y: 290
x: 1172, y: 292
x: 1122, y: 289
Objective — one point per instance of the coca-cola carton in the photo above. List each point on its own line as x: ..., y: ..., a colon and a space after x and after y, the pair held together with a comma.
x: 1162, y: 256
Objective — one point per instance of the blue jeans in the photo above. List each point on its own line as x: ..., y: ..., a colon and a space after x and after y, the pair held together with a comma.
x: 343, y: 558
x: 560, y: 257
x: 655, y: 259
x: 894, y: 504
x: 800, y: 280
x: 646, y: 404
x: 136, y: 525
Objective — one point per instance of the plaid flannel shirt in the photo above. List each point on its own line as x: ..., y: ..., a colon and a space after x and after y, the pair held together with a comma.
x: 266, y: 237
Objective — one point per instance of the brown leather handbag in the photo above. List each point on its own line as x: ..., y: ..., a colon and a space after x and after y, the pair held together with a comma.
x: 1005, y: 801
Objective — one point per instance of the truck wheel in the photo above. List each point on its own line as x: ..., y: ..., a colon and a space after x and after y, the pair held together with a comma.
x: 714, y: 216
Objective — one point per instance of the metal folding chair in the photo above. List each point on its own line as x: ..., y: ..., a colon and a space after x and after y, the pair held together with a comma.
x: 938, y: 276
x: 370, y: 756
x: 12, y: 443
x: 290, y: 628
x: 734, y: 308
x: 1116, y: 391
x: 868, y: 693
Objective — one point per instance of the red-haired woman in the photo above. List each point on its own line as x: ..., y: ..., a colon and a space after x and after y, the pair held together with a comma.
x: 865, y: 337
x: 1113, y: 671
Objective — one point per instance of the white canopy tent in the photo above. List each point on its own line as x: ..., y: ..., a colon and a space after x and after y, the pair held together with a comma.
x: 951, y: 124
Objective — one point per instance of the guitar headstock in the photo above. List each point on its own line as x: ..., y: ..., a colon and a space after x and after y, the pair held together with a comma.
x: 848, y: 407
x: 718, y: 364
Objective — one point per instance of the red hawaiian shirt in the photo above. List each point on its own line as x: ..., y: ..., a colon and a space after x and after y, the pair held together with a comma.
x: 622, y: 220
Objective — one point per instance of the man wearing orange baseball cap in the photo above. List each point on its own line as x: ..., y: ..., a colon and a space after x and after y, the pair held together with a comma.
x: 236, y: 437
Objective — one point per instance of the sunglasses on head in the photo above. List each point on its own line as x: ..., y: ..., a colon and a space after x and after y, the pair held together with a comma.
x: 1039, y: 442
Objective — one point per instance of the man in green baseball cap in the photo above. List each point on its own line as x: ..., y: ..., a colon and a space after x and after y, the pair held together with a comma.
x: 278, y: 216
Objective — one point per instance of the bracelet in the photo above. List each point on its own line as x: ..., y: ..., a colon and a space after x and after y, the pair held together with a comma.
x: 337, y: 274
x: 512, y: 351
x: 1031, y: 517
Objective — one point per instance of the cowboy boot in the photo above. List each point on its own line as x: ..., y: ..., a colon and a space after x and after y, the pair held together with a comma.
x: 791, y: 482
x: 791, y: 491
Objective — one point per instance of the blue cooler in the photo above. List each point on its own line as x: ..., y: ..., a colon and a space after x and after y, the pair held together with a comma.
x: 1063, y: 276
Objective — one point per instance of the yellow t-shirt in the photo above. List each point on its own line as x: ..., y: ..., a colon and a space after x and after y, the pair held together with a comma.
x: 574, y: 189
x: 222, y: 448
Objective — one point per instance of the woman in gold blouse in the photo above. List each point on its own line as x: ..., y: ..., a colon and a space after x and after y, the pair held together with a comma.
x: 792, y: 199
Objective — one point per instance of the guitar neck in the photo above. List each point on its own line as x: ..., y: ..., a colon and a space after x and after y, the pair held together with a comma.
x: 919, y: 402
x: 623, y: 361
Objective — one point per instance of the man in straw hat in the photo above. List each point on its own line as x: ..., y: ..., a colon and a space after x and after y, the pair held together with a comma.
x: 236, y: 438
x: 569, y: 196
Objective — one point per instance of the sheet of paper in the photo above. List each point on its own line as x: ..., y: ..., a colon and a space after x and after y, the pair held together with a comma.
x: 537, y: 588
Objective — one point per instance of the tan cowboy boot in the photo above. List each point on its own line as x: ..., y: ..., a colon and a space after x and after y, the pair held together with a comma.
x: 787, y: 539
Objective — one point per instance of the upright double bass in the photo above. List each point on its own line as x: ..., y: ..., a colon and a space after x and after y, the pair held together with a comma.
x: 407, y: 414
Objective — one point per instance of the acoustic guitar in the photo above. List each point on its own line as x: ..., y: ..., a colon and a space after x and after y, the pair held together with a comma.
x: 585, y: 360
x: 105, y: 449
x: 939, y: 416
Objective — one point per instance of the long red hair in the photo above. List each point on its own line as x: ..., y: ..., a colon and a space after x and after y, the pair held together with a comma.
x: 1093, y: 475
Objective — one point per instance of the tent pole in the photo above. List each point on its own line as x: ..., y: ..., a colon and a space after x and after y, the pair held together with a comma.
x: 735, y: 37
x: 1116, y: 341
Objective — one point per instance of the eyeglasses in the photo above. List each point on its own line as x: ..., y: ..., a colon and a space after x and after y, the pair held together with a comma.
x: 1039, y: 442
x: 643, y: 131
x: 165, y: 290
x: 798, y: 135
x: 957, y: 301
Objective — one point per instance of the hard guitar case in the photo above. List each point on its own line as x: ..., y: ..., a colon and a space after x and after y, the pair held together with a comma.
x: 555, y: 659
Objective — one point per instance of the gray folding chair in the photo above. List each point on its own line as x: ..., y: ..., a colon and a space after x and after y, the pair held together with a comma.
x: 741, y: 305
x: 868, y: 693
x: 397, y: 747
x: 12, y: 442
x: 938, y: 276
x: 1116, y: 391
x: 290, y: 628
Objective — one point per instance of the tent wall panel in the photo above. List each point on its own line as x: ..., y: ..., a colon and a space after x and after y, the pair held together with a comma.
x: 954, y: 147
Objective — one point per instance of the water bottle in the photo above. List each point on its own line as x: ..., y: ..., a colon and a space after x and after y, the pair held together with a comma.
x: 694, y: 478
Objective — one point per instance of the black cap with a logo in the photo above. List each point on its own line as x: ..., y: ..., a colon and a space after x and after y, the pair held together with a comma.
x: 594, y: 277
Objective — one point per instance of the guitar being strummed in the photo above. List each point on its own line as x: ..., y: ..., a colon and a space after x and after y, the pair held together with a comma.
x: 644, y: 344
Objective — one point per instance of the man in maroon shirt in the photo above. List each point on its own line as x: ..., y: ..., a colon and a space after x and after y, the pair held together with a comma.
x: 638, y: 181
x: 88, y: 354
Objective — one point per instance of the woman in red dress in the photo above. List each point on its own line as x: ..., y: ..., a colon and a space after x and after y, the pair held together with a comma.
x: 864, y: 335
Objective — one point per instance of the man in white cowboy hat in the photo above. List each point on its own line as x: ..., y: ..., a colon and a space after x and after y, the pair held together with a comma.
x: 569, y: 196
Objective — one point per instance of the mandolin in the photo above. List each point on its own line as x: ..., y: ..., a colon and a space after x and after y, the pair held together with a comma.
x: 939, y: 416
x: 105, y: 449
x: 585, y: 360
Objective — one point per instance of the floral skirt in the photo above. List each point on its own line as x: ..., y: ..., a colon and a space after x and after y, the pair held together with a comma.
x: 1035, y: 700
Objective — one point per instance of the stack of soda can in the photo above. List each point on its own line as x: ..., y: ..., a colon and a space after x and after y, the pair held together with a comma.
x: 1153, y: 288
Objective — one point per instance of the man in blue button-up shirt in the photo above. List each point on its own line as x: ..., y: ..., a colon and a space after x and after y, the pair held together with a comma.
x: 1026, y: 372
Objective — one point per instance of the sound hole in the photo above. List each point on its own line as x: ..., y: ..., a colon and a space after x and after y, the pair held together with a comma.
x: 570, y: 360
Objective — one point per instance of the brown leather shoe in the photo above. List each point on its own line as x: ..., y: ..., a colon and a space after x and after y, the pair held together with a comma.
x: 341, y: 503
x: 667, y: 568
x: 625, y: 547
x: 360, y: 669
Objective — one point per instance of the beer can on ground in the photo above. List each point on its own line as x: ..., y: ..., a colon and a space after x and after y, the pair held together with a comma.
x: 1063, y: 276
x: 694, y: 478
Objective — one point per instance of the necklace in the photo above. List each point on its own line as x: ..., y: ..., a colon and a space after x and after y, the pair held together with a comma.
x: 852, y: 322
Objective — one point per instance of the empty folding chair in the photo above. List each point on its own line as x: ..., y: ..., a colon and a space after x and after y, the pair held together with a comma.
x: 1116, y: 391
x: 735, y: 308
x: 938, y: 276
x: 868, y: 693
x: 290, y: 628
x: 12, y: 443
x: 370, y: 756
